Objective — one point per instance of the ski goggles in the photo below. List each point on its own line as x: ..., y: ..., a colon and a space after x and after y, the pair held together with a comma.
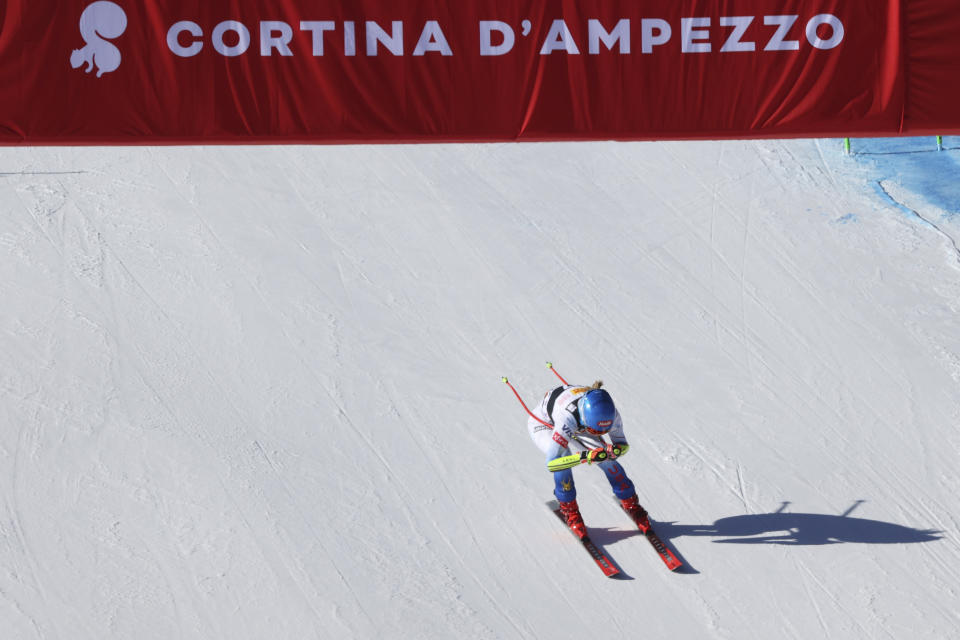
x: 605, y: 424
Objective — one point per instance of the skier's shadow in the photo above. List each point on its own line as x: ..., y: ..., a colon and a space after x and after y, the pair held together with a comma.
x: 784, y: 528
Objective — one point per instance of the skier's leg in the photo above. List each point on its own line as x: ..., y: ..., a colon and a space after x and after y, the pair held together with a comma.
x: 566, y: 494
x: 622, y: 485
x: 542, y: 436
x: 624, y: 490
x: 564, y: 488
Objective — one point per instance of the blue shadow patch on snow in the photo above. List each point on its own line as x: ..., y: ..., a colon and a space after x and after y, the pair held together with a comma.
x: 846, y: 219
x: 916, y: 164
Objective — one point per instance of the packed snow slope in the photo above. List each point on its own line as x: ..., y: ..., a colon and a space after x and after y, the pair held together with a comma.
x: 254, y: 393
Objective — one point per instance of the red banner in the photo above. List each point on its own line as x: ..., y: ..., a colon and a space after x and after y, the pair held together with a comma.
x: 327, y: 71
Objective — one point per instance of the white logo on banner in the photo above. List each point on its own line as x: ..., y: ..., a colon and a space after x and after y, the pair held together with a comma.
x: 99, y: 21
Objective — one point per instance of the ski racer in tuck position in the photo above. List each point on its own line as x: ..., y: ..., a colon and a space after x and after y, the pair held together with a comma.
x: 572, y: 419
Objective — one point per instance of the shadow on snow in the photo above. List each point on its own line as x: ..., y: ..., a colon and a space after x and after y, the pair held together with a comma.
x: 782, y: 527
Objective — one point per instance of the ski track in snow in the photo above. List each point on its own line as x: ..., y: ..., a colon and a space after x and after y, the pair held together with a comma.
x: 252, y: 392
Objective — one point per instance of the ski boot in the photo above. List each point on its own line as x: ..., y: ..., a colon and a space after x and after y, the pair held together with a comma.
x: 635, y: 511
x: 571, y: 513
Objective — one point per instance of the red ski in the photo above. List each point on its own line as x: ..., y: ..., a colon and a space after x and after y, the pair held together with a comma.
x: 602, y: 559
x: 665, y: 554
x: 662, y: 550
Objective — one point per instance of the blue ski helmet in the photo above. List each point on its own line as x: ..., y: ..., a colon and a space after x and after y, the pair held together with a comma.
x: 597, y: 411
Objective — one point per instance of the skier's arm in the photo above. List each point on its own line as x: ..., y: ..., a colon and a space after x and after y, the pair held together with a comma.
x: 564, y: 442
x: 619, y: 444
x: 618, y: 450
x: 568, y: 451
x: 568, y: 462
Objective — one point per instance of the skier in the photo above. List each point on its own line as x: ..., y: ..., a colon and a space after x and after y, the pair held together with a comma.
x: 574, y: 419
